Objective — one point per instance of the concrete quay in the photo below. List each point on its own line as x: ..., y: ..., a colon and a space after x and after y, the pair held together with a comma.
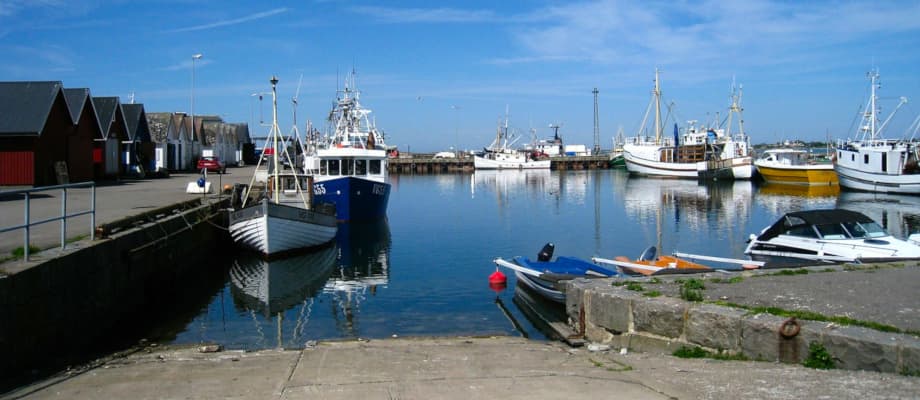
x: 452, y: 368
x: 882, y: 297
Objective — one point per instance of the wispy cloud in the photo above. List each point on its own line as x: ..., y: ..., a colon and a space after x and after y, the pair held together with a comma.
x: 425, y: 15
x: 234, y: 21
x: 12, y: 7
x: 186, y: 65
x: 714, y: 33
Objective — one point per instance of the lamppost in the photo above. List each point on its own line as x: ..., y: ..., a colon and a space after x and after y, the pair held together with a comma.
x: 192, y: 110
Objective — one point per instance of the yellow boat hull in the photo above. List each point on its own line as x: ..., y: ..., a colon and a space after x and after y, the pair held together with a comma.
x: 810, y: 175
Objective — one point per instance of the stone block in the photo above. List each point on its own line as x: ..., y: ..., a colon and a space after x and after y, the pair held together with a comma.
x: 661, y: 316
x: 760, y: 338
x: 909, y: 355
x: 857, y: 348
x: 715, y: 327
x: 610, y: 309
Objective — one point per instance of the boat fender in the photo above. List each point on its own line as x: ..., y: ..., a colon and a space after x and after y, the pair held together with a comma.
x: 790, y: 328
x: 546, y: 253
x: 201, y: 182
x: 497, y: 281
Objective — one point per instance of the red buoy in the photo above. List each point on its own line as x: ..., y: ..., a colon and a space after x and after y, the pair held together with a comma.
x: 498, y: 281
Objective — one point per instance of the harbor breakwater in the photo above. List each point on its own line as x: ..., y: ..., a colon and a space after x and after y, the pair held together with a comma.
x: 56, y: 307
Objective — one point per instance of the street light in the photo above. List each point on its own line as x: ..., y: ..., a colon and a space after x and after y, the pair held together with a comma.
x: 192, y: 110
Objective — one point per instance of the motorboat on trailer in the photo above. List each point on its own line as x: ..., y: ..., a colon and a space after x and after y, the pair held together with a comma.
x: 544, y: 274
x: 832, y: 235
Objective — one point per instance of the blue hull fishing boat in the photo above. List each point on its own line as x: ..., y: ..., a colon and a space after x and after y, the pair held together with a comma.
x: 350, y: 168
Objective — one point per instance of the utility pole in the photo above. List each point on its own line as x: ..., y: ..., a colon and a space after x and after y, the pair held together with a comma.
x: 597, y: 129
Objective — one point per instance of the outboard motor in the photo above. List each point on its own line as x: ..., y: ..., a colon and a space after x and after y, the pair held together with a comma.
x: 546, y: 253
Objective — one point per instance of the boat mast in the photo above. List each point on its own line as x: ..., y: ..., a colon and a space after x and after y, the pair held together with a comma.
x: 275, y: 132
x: 657, y: 94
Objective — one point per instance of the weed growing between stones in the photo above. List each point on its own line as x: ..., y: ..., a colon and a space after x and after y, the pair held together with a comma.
x: 813, y: 316
x: 699, y: 352
x: 634, y: 286
x: 652, y: 293
x: 20, y: 252
x: 655, y: 280
x: 818, y: 357
x: 692, y: 290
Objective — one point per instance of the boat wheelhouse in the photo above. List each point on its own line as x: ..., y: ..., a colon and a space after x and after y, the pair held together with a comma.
x: 834, y: 235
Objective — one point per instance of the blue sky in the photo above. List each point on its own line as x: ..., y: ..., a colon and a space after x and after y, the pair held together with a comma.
x: 441, y: 74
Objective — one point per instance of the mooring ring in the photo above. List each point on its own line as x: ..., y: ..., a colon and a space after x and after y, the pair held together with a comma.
x: 790, y: 328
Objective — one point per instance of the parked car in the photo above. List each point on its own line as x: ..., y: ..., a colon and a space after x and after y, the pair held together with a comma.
x: 212, y: 164
x: 445, y: 154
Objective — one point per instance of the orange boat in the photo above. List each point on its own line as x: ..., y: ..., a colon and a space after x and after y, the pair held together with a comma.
x: 650, y: 264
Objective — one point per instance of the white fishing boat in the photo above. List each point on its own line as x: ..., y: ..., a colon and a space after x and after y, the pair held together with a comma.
x: 871, y: 163
x: 835, y: 235
x: 698, y: 153
x: 282, y: 219
x: 500, y: 154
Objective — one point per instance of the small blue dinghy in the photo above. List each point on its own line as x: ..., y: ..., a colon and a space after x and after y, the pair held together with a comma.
x: 543, y: 275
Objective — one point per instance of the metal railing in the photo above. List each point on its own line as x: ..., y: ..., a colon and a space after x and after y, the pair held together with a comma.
x: 28, y: 224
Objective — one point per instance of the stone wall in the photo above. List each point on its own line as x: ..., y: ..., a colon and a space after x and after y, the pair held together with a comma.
x: 626, y: 319
x: 67, y: 303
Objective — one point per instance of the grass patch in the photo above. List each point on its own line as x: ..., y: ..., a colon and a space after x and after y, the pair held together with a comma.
x: 788, y: 272
x: 813, y: 316
x: 699, y: 352
x: 735, y: 279
x: 655, y: 280
x: 652, y: 293
x: 634, y: 286
x: 20, y: 251
x: 818, y: 357
x: 692, y: 290
x: 716, y: 280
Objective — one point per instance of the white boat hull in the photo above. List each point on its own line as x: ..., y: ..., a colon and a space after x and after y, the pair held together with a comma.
x: 270, y: 228
x: 511, y: 163
x: 639, y: 162
x: 855, y: 179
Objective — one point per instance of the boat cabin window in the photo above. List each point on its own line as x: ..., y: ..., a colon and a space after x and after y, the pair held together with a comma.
x: 348, y: 167
x: 832, y: 231
x: 330, y: 167
x: 374, y: 167
x: 865, y: 230
x: 360, y: 167
x: 802, y: 231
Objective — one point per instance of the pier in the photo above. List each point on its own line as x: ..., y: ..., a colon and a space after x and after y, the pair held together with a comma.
x: 426, y: 163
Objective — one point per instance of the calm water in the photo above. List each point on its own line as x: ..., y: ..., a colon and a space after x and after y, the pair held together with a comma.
x: 424, y: 272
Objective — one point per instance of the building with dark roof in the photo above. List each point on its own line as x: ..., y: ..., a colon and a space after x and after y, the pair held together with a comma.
x: 86, y: 158
x: 114, y: 132
x: 141, y: 150
x: 37, y: 135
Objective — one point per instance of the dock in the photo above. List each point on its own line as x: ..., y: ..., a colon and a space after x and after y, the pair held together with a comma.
x: 425, y: 163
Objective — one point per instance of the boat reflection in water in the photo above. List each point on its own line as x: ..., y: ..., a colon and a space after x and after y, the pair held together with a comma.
x: 270, y: 288
x: 362, y: 266
x: 896, y: 213
x: 779, y: 199
x: 695, y: 205
x: 507, y: 183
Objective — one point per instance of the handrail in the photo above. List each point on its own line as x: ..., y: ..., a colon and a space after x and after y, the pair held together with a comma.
x: 28, y: 224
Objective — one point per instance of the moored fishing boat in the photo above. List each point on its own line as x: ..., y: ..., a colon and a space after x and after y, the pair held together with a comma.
x: 699, y: 153
x: 500, y: 154
x: 794, y: 167
x: 352, y: 163
x: 284, y: 219
x: 869, y: 162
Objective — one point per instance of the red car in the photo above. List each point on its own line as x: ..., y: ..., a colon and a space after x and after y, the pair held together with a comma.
x: 212, y: 164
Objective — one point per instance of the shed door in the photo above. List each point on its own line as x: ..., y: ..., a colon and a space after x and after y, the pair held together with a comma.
x: 111, y: 156
x: 17, y: 168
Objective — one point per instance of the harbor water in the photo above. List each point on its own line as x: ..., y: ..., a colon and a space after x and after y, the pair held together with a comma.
x: 424, y: 271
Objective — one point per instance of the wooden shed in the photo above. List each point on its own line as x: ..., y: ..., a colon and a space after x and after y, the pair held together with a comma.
x: 35, y: 130
x: 82, y: 153
x: 115, y: 133
x: 140, y: 146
